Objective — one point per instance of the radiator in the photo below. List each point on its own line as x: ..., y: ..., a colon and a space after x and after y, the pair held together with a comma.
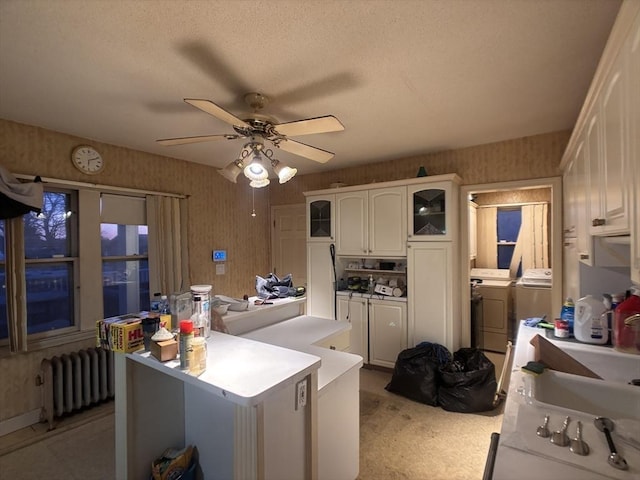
x: 74, y: 381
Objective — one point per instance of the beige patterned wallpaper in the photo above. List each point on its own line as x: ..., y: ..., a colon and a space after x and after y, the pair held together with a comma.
x: 514, y: 197
x: 219, y: 212
x: 523, y: 158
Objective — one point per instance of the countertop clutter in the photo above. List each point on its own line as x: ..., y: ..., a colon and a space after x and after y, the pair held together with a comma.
x: 524, y: 453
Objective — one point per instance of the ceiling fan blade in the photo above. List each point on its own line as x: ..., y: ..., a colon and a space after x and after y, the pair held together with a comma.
x: 325, y: 124
x: 212, y: 109
x: 201, y: 138
x: 307, y: 151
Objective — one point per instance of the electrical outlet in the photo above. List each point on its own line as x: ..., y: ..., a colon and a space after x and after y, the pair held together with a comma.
x: 301, y: 394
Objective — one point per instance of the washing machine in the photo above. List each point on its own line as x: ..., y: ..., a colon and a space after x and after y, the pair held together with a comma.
x: 533, y: 294
x: 494, y: 286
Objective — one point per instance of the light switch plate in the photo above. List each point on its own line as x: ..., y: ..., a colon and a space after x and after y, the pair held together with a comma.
x: 220, y: 268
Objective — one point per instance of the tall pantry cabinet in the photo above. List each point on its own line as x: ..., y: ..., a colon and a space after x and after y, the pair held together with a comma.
x: 433, y: 279
x: 411, y: 222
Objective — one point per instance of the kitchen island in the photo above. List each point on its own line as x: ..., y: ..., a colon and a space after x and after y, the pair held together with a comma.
x: 246, y: 413
x: 524, y: 455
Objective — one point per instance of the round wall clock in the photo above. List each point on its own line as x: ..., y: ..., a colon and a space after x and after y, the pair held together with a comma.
x: 87, y: 159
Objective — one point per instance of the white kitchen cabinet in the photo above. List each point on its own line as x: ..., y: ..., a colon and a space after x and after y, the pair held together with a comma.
x: 354, y: 309
x: 371, y: 222
x: 632, y: 49
x: 569, y: 193
x: 608, y: 165
x: 473, y: 230
x: 321, y: 218
x: 320, y: 290
x: 432, y: 292
x: 433, y: 211
x: 584, y: 243
x: 387, y: 331
x: 571, y: 272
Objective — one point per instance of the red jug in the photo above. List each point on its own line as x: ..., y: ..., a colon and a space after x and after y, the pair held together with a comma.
x: 626, y: 325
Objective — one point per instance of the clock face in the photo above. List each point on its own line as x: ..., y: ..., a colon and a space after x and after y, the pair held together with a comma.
x: 87, y: 160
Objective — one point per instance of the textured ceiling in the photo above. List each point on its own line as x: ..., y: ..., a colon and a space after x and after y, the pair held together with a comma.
x: 405, y: 77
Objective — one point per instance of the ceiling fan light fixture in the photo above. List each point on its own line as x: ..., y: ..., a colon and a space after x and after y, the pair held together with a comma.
x: 284, y: 172
x: 231, y: 171
x: 259, y: 183
x: 256, y: 170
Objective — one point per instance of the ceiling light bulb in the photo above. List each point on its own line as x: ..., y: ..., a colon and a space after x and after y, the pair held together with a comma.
x: 259, y: 183
x: 256, y: 170
x: 284, y: 172
x: 231, y: 171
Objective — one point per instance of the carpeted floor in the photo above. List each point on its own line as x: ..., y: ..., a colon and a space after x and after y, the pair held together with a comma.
x: 403, y: 439
x: 399, y: 439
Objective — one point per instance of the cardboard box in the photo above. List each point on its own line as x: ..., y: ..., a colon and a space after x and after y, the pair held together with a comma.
x: 124, y: 332
x: 164, y: 351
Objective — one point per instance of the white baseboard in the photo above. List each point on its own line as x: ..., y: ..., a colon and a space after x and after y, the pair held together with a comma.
x: 21, y: 421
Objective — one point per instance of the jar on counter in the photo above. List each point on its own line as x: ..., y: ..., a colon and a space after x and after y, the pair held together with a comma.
x: 198, y: 356
x: 201, y: 309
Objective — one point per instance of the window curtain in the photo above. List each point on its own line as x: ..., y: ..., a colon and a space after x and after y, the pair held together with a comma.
x: 533, y: 239
x: 487, y: 256
x: 16, y: 285
x: 168, y: 247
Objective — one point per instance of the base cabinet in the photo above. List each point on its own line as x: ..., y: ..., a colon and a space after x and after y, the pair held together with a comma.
x: 354, y: 311
x: 378, y: 328
x: 387, y: 331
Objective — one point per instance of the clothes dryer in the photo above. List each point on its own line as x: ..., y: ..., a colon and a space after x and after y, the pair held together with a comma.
x: 494, y: 286
x: 533, y: 294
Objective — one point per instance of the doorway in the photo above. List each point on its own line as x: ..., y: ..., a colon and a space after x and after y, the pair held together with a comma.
x: 289, y: 242
x: 555, y: 239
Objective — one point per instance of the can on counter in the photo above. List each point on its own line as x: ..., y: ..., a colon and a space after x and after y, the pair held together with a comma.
x: 561, y: 329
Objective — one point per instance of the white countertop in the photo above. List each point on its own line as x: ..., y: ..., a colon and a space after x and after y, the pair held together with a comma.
x: 523, y: 455
x: 301, y: 333
x: 240, y: 370
x: 258, y: 316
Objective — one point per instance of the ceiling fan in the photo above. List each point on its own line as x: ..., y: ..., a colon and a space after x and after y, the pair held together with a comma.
x: 259, y: 127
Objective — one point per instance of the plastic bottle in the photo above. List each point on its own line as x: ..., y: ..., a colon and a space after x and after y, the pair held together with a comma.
x: 371, y: 284
x: 626, y: 327
x: 590, y: 324
x: 568, y: 313
x: 164, y: 305
x: 186, y: 340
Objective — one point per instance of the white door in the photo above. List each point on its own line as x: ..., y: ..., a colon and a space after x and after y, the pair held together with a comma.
x: 320, y: 291
x: 430, y: 291
x: 388, y: 222
x: 354, y: 311
x: 387, y: 331
x: 288, y: 242
x: 351, y: 223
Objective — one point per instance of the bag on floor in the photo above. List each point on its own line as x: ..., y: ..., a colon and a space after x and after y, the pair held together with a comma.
x: 415, y: 375
x: 468, y: 383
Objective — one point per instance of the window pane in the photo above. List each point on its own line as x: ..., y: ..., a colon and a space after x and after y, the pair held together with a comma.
x: 47, y: 233
x: 509, y: 225
x: 49, y: 296
x: 122, y: 240
x: 125, y: 286
x: 4, y: 332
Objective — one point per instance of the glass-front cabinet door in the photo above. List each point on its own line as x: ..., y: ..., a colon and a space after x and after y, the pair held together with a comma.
x: 430, y: 207
x: 320, y: 218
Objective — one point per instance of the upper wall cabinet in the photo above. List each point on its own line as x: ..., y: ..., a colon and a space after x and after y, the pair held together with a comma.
x: 371, y: 222
x: 632, y: 49
x: 608, y: 156
x: 321, y: 218
x: 433, y: 211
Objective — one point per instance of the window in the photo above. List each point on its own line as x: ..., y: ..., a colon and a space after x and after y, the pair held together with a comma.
x: 50, y: 244
x: 84, y: 257
x: 125, y: 269
x: 508, y: 227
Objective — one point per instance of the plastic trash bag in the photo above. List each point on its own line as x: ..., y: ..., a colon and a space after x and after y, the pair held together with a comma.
x: 468, y: 383
x: 415, y: 375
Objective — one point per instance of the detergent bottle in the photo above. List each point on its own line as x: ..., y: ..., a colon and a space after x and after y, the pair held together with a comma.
x: 590, y: 323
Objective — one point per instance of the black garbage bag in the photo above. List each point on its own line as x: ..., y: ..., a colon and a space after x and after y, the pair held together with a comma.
x: 468, y: 383
x: 415, y: 375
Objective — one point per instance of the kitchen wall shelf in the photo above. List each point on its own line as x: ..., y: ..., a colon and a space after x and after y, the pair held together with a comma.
x: 371, y: 271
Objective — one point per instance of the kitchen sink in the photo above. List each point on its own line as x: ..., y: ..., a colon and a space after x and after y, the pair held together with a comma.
x: 598, y: 397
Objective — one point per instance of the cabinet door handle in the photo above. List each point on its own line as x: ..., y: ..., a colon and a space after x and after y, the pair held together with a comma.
x: 584, y: 256
x: 598, y: 222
